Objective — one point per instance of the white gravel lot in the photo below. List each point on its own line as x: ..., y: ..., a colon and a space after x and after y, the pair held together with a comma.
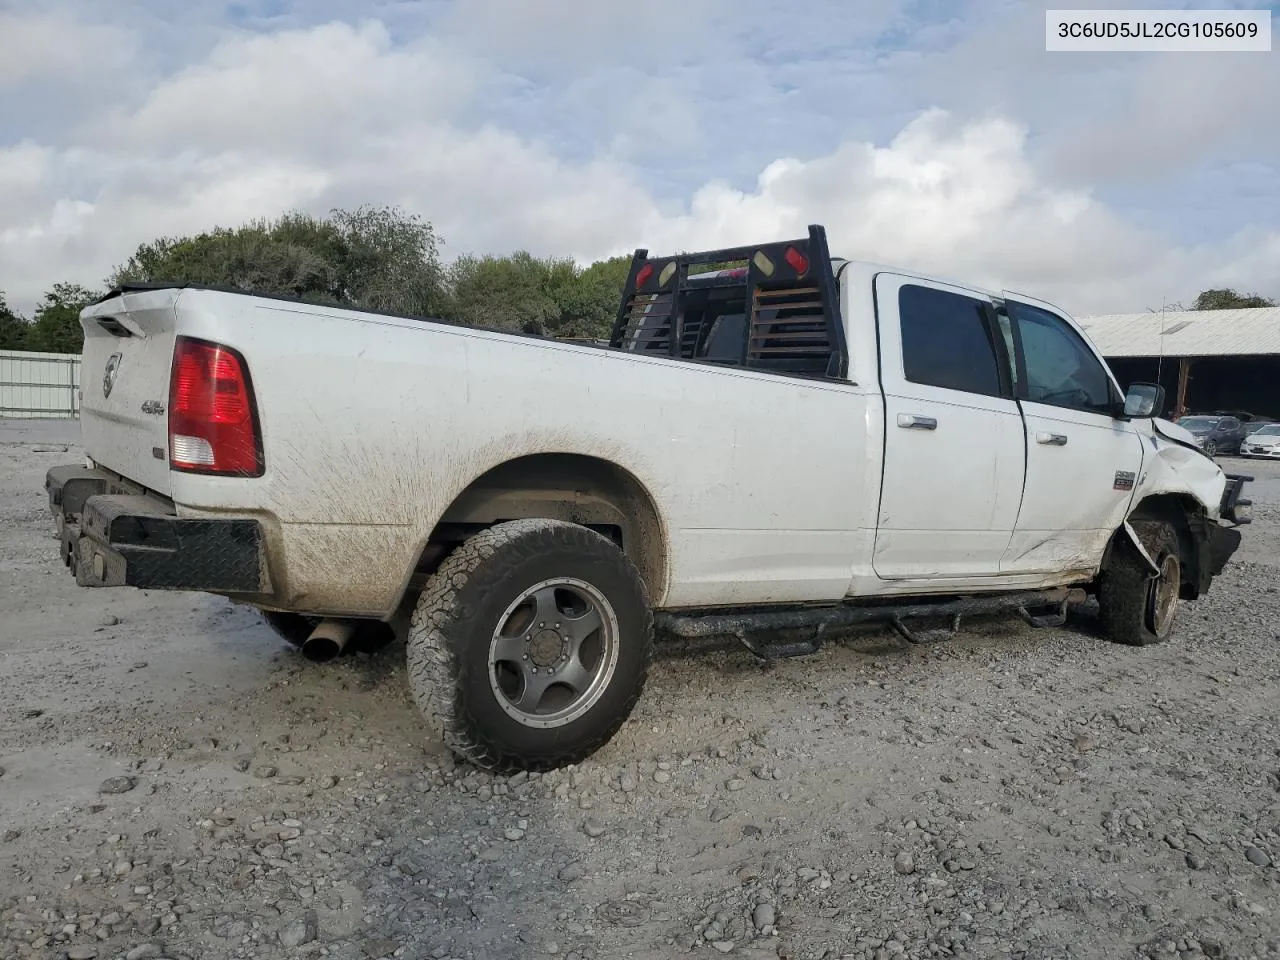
x: 1008, y: 793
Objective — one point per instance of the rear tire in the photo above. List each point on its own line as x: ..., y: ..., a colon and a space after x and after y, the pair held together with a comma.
x: 1136, y: 607
x: 530, y: 645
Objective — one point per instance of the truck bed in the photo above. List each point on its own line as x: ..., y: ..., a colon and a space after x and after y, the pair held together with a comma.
x: 372, y: 426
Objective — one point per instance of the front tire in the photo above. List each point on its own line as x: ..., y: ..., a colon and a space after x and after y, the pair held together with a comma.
x: 530, y: 645
x: 1138, y: 607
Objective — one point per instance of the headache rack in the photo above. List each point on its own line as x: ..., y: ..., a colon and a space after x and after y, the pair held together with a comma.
x: 771, y: 306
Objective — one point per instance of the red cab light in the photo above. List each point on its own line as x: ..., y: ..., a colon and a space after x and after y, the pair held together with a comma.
x: 645, y: 273
x: 798, y: 261
x: 213, y: 420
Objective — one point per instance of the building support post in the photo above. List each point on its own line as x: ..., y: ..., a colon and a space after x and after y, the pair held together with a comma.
x: 1184, y: 377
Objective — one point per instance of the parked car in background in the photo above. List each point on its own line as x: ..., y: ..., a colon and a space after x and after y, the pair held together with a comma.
x: 1248, y: 418
x: 1215, y: 434
x: 1263, y: 442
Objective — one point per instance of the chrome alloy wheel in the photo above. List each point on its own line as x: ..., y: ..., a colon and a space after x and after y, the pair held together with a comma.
x: 553, y: 653
x: 1165, y: 590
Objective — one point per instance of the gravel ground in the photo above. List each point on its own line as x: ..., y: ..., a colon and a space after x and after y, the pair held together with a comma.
x: 178, y: 783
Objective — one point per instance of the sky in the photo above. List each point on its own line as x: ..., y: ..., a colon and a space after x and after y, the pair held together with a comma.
x: 934, y: 135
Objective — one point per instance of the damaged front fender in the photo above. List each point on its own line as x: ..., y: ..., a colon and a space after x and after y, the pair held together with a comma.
x: 1188, y: 489
x: 1174, y: 465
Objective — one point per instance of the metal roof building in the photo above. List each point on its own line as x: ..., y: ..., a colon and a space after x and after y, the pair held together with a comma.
x: 1207, y: 360
x: 1187, y: 333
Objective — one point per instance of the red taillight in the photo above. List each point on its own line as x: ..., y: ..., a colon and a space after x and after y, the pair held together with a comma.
x: 799, y: 262
x: 213, y: 425
x: 645, y: 273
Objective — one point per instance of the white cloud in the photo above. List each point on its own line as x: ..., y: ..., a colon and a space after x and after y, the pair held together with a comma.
x: 1175, y: 113
x: 298, y: 90
x: 132, y: 199
x: 340, y: 114
x: 959, y: 199
x: 22, y: 170
x: 55, y: 48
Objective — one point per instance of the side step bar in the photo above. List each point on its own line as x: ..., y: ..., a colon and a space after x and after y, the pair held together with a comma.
x: 753, y: 627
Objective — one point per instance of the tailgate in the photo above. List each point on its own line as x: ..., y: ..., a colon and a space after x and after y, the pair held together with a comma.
x: 128, y: 354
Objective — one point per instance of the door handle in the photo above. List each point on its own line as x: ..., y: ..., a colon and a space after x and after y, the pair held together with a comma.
x: 1052, y: 439
x: 913, y: 421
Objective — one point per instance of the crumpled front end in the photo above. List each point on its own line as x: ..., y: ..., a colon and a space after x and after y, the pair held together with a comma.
x: 1175, y: 471
x: 1175, y: 464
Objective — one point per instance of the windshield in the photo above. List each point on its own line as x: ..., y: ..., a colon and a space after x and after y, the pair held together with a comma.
x: 1270, y: 430
x: 1198, y: 423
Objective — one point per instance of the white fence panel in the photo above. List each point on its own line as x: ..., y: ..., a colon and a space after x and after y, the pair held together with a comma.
x: 39, y: 385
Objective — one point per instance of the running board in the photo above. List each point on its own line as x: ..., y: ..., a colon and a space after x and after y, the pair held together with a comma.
x: 754, y: 627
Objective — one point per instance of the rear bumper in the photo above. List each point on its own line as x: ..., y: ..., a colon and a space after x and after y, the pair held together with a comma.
x: 113, y: 536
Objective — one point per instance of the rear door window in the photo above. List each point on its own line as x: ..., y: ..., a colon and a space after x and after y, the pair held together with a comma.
x: 947, y: 341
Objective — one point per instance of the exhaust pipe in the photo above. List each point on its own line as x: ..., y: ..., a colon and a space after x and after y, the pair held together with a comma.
x: 328, y: 639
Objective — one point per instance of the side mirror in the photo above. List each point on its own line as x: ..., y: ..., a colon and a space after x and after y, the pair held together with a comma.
x: 1144, y: 400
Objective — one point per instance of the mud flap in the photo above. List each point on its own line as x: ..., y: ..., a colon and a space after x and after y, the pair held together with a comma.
x: 1214, y: 546
x: 1221, y: 544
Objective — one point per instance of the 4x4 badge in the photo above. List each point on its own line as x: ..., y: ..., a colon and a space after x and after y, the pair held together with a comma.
x: 109, y: 377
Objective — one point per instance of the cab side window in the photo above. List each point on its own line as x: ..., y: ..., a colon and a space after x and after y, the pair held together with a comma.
x: 947, y: 342
x: 1061, y: 370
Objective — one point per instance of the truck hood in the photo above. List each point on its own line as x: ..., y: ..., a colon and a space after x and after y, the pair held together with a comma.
x: 1171, y: 431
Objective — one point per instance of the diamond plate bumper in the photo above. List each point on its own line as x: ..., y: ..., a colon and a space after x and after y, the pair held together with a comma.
x: 115, y: 537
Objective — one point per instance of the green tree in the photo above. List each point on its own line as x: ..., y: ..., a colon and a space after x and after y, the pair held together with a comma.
x: 381, y: 258
x: 592, y: 305
x: 56, y: 328
x: 1228, y: 299
x: 550, y: 297
x: 389, y: 260
x: 280, y: 257
x: 13, y: 328
x: 518, y: 292
x: 377, y: 258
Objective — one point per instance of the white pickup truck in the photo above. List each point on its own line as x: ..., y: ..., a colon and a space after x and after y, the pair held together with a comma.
x: 774, y: 447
